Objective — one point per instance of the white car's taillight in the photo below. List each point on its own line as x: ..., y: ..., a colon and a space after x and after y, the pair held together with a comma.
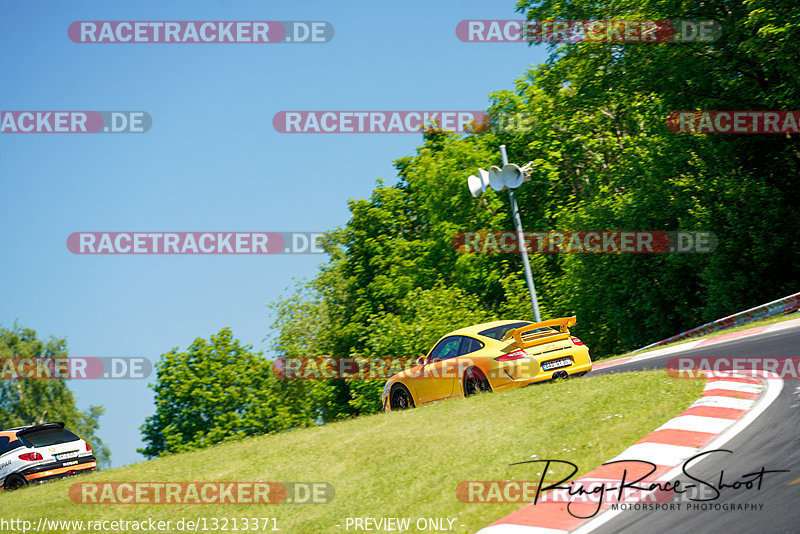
x: 30, y: 456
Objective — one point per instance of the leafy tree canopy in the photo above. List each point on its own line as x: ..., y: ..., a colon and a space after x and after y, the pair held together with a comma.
x: 27, y: 402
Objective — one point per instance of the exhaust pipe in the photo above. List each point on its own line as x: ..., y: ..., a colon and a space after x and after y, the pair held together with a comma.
x: 560, y: 374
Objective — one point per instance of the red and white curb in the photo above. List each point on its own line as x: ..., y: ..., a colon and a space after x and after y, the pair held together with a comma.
x: 728, y: 404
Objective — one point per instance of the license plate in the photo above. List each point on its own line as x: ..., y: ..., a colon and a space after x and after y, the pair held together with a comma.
x: 66, y: 456
x: 555, y: 364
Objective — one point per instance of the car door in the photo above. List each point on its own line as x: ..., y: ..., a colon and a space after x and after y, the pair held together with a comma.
x: 438, y: 376
x: 8, y: 444
x: 469, y: 345
x: 465, y: 359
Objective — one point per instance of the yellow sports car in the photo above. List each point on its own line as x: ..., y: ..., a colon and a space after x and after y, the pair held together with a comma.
x: 489, y: 357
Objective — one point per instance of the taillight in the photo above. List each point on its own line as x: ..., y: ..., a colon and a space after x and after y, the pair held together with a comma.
x: 516, y: 355
x: 88, y: 448
x: 30, y: 456
x: 576, y: 341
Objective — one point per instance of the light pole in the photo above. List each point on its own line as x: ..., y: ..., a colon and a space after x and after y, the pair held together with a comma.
x: 509, y: 177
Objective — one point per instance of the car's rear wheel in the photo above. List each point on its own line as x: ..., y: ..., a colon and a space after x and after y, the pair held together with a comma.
x: 400, y: 398
x: 15, y: 482
x: 475, y: 382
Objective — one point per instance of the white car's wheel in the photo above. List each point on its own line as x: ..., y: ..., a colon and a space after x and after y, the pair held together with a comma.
x: 15, y: 482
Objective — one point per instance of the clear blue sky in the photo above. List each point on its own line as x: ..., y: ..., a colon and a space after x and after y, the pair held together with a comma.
x: 211, y: 161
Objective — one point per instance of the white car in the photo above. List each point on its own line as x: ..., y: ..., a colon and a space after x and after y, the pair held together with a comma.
x: 37, y: 453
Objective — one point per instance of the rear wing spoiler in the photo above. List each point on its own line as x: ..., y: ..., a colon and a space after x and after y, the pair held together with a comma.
x: 563, y: 325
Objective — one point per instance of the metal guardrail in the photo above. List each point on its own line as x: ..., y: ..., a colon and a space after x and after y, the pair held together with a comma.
x: 783, y: 305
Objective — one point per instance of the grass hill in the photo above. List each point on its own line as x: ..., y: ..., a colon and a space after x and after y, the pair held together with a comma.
x: 403, y: 464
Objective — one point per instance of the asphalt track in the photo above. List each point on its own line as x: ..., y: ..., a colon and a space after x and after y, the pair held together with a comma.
x: 771, y: 441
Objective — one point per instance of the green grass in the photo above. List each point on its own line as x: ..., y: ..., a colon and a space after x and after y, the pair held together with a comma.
x: 403, y: 464
x: 752, y: 324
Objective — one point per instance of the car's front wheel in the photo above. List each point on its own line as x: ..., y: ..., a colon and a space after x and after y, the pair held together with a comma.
x: 400, y: 398
x: 475, y: 382
x: 15, y: 482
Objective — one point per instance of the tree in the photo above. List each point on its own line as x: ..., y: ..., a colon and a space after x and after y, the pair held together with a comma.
x: 604, y: 160
x: 610, y: 103
x: 27, y: 402
x: 218, y: 390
